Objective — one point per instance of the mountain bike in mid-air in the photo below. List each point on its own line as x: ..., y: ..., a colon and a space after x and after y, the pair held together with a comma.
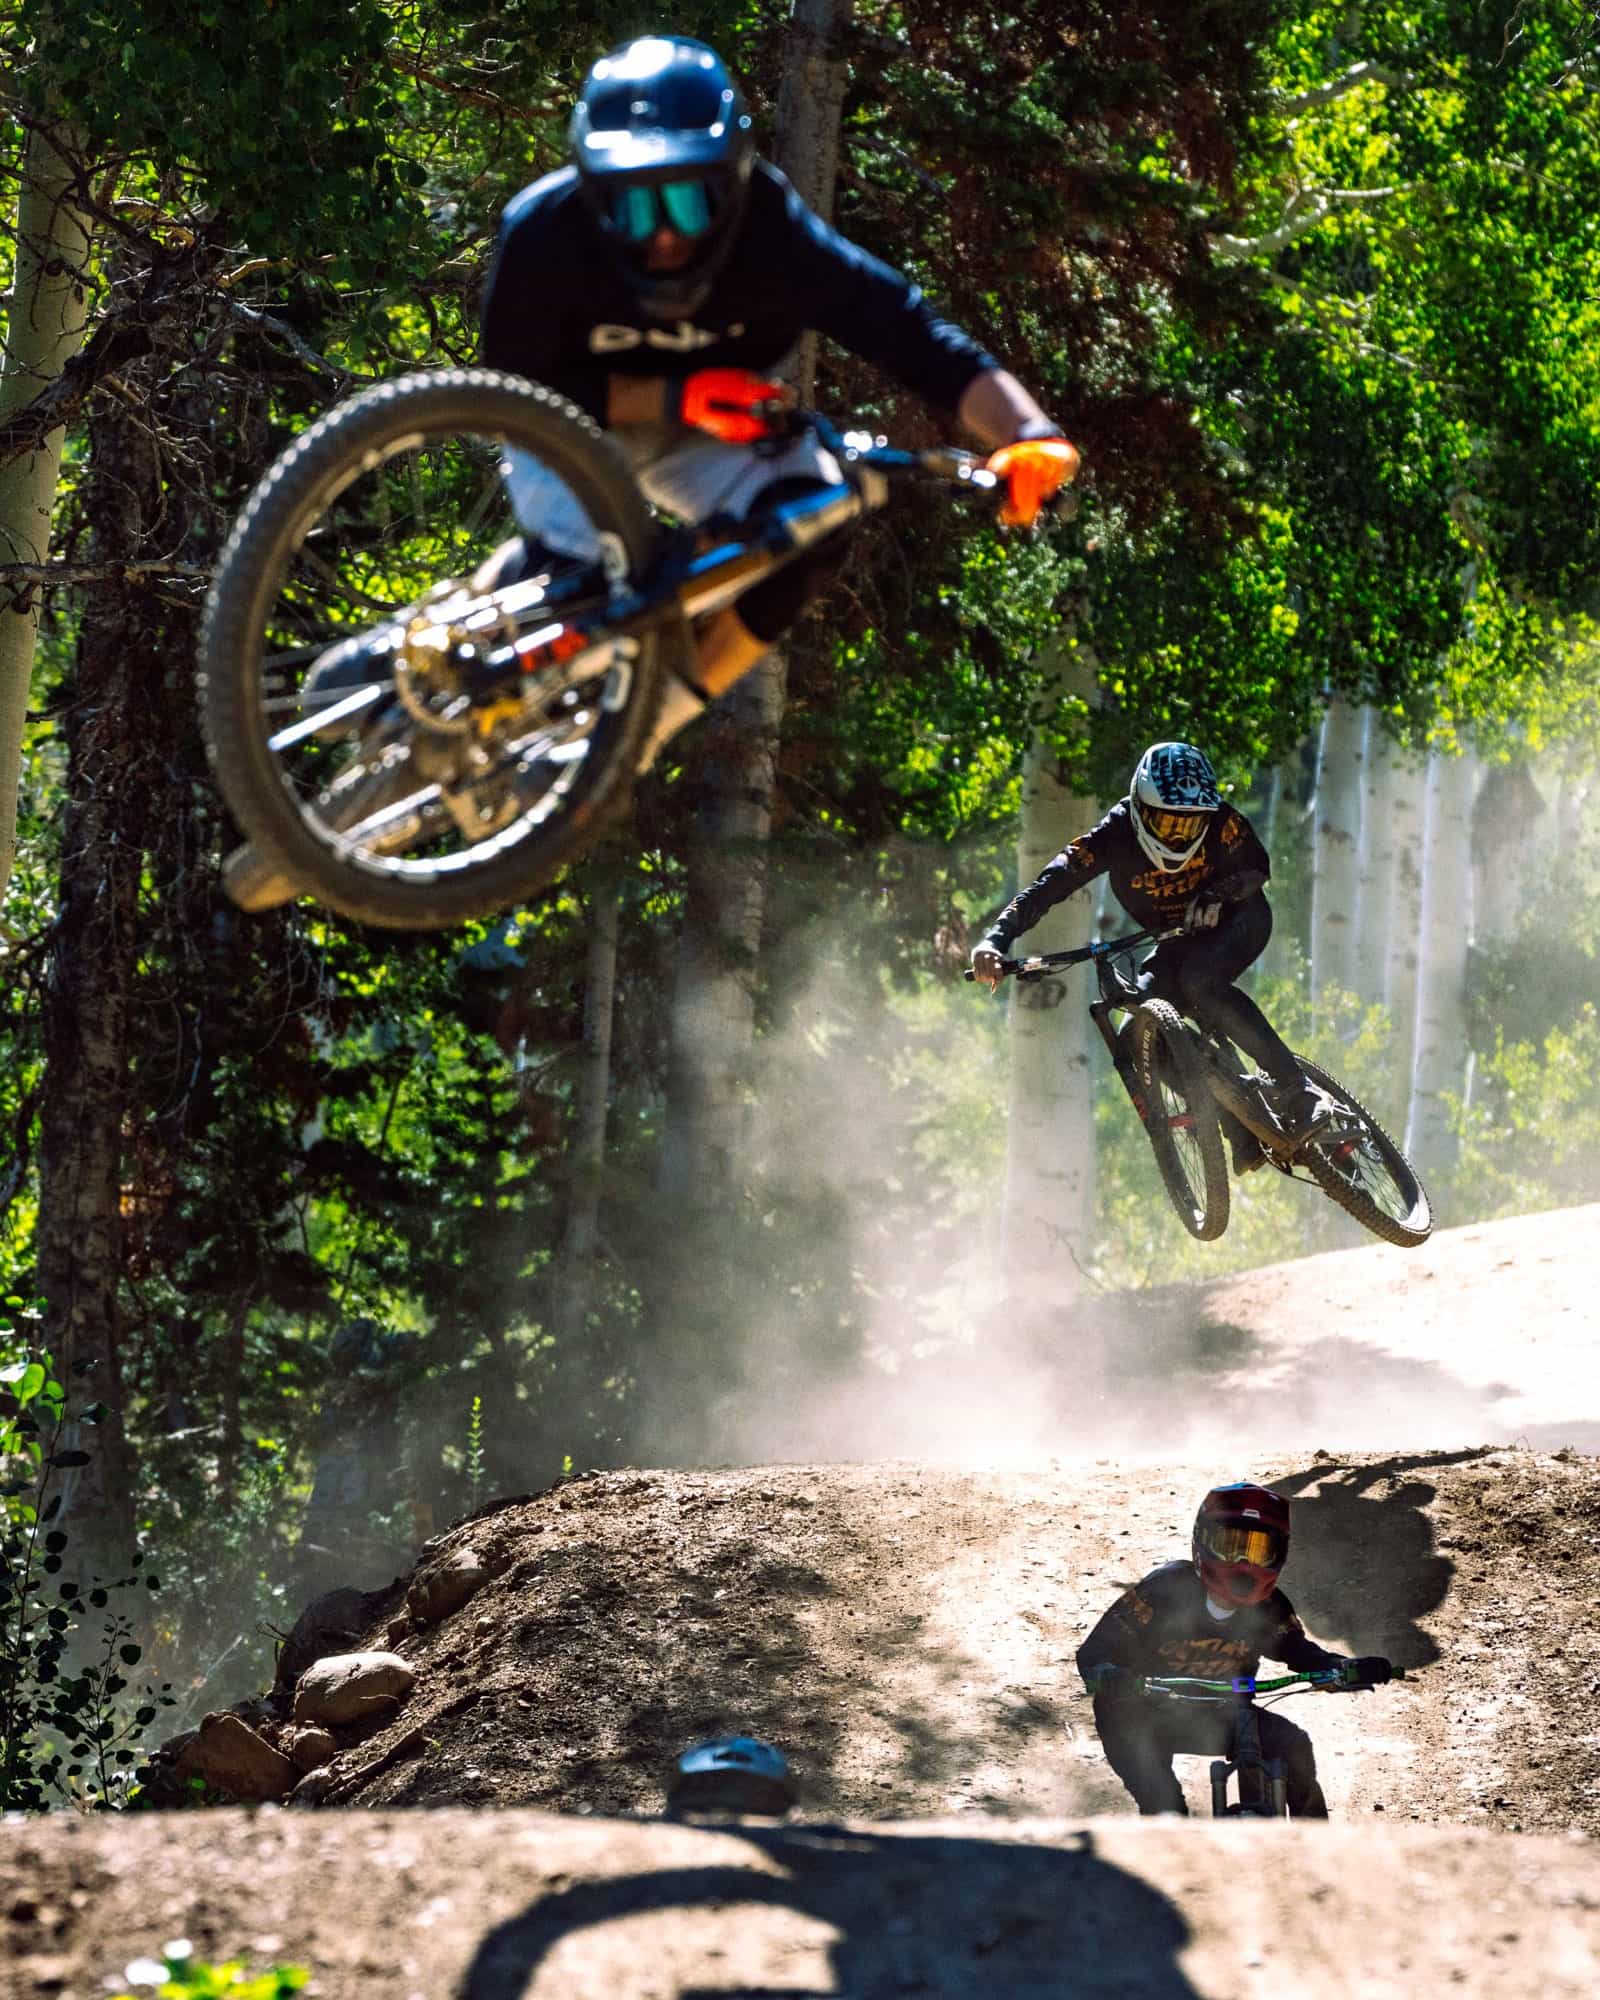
x: 1177, y: 1073
x: 503, y: 723
x: 1262, y: 1783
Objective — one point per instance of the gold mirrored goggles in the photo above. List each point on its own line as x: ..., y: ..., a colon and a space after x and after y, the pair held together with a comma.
x: 1257, y: 1546
x: 1176, y: 827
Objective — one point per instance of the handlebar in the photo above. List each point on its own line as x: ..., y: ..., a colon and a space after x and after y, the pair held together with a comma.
x: 1026, y: 970
x: 1342, y: 1679
x: 948, y: 464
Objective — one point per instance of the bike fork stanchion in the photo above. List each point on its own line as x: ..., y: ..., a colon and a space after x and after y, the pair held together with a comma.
x: 1221, y: 1771
x: 1278, y: 1781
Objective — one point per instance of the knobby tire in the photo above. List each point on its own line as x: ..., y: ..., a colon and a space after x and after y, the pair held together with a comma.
x: 353, y: 438
x: 1164, y: 1050
x: 1356, y: 1201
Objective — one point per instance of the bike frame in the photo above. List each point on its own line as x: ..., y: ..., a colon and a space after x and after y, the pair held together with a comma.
x: 1118, y: 996
x: 1263, y: 1781
x: 696, y: 581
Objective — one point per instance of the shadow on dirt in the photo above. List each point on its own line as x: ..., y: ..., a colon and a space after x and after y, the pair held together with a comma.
x: 1363, y: 1571
x: 916, y: 1915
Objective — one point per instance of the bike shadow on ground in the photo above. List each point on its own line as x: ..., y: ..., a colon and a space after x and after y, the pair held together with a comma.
x: 1363, y: 1569
x: 872, y: 1913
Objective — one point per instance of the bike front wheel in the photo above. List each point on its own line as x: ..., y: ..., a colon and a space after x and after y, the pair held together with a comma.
x: 1181, y: 1119
x: 390, y: 788
x: 1357, y: 1165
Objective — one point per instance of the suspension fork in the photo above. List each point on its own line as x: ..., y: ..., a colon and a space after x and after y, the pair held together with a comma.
x: 1100, y: 1012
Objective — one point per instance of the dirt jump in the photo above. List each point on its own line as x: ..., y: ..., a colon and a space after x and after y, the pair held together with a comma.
x: 906, y: 1631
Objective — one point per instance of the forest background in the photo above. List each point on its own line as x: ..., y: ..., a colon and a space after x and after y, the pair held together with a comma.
x: 334, y: 1234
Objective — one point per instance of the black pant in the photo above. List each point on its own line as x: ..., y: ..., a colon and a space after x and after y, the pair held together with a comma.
x: 1196, y: 975
x: 1141, y: 1738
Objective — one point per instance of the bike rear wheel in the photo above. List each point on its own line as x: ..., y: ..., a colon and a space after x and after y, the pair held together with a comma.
x: 1181, y: 1119
x: 1360, y: 1167
x: 427, y: 808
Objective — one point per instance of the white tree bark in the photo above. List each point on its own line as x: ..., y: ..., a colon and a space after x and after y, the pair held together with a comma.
x: 1440, y: 1069
x: 1336, y: 851
x: 713, y: 1029
x: 1509, y: 818
x: 1408, y: 801
x: 1381, y: 776
x: 1048, y: 1229
x: 43, y: 324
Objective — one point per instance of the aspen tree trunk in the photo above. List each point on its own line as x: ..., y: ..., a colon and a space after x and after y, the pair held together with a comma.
x: 588, y: 1151
x: 713, y: 1040
x: 1379, y: 833
x: 713, y: 1028
x: 1408, y: 809
x: 1336, y: 851
x: 1440, y: 1067
x: 1048, y: 1228
x: 41, y: 327
x: 1507, y: 817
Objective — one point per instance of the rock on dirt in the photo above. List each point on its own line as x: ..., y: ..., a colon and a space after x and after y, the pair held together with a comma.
x: 351, y: 1687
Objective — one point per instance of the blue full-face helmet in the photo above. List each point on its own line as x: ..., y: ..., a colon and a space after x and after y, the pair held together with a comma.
x: 661, y: 139
x: 732, y: 1774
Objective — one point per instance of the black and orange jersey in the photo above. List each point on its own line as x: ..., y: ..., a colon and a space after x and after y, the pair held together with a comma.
x: 1160, y: 1625
x: 1154, y: 900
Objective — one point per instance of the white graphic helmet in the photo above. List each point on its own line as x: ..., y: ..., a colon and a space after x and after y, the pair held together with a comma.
x: 1172, y: 797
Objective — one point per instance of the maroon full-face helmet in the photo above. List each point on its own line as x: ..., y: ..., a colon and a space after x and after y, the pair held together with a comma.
x: 1241, y: 1541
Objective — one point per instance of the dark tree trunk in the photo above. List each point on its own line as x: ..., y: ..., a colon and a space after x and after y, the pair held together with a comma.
x: 114, y: 783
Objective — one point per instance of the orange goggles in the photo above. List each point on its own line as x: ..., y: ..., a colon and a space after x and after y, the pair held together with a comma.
x: 1256, y: 1546
x: 1176, y: 827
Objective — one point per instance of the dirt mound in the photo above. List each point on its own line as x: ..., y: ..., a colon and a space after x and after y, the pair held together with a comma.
x: 499, y: 1906
x: 907, y: 1634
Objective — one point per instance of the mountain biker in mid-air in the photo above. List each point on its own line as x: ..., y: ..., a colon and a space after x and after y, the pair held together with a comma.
x: 1211, y: 1618
x: 1177, y: 855
x: 656, y: 281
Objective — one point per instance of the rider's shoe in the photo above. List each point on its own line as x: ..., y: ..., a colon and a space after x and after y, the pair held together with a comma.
x: 1301, y: 1109
x: 681, y: 704
x: 1248, y: 1154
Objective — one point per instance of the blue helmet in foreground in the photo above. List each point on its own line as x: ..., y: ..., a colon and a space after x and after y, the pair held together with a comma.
x: 732, y: 1774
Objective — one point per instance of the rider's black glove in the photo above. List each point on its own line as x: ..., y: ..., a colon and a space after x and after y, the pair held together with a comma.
x: 1372, y: 1670
x: 1204, y: 912
x: 1099, y: 1678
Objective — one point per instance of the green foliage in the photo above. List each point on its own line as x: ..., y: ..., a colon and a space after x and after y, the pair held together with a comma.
x: 66, y: 1731
x: 179, y: 1975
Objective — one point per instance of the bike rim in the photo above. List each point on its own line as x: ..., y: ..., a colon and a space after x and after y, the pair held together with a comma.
x: 1181, y: 1128
x: 394, y: 769
x: 1363, y: 1164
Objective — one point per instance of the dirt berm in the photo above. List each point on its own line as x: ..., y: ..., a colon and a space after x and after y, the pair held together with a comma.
x: 905, y: 1630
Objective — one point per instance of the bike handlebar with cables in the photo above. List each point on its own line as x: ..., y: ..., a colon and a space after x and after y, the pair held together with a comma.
x: 1343, y: 1679
x: 1041, y: 963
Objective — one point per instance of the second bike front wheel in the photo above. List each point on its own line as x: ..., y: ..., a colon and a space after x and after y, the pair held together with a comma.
x: 1361, y: 1168
x: 1180, y: 1117
x: 423, y: 808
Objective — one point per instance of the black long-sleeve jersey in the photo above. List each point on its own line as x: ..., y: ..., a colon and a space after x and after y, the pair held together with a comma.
x: 557, y: 307
x: 1160, y: 1625
x: 1154, y: 900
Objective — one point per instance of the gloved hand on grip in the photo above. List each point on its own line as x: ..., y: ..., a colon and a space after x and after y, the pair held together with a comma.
x: 1204, y: 912
x: 1098, y: 1679
x: 727, y: 403
x: 1370, y: 1671
x: 1035, y: 470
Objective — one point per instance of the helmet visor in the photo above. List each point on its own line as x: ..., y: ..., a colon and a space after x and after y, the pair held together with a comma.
x: 1176, y: 829
x: 1232, y: 1542
x: 685, y: 207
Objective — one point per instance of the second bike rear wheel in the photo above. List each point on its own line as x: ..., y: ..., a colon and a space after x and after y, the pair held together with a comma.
x: 1181, y: 1119
x: 423, y: 812
x: 1362, y: 1169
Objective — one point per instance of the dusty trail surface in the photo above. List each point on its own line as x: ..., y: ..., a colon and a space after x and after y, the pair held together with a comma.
x: 906, y: 1631
x: 411, y: 1906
